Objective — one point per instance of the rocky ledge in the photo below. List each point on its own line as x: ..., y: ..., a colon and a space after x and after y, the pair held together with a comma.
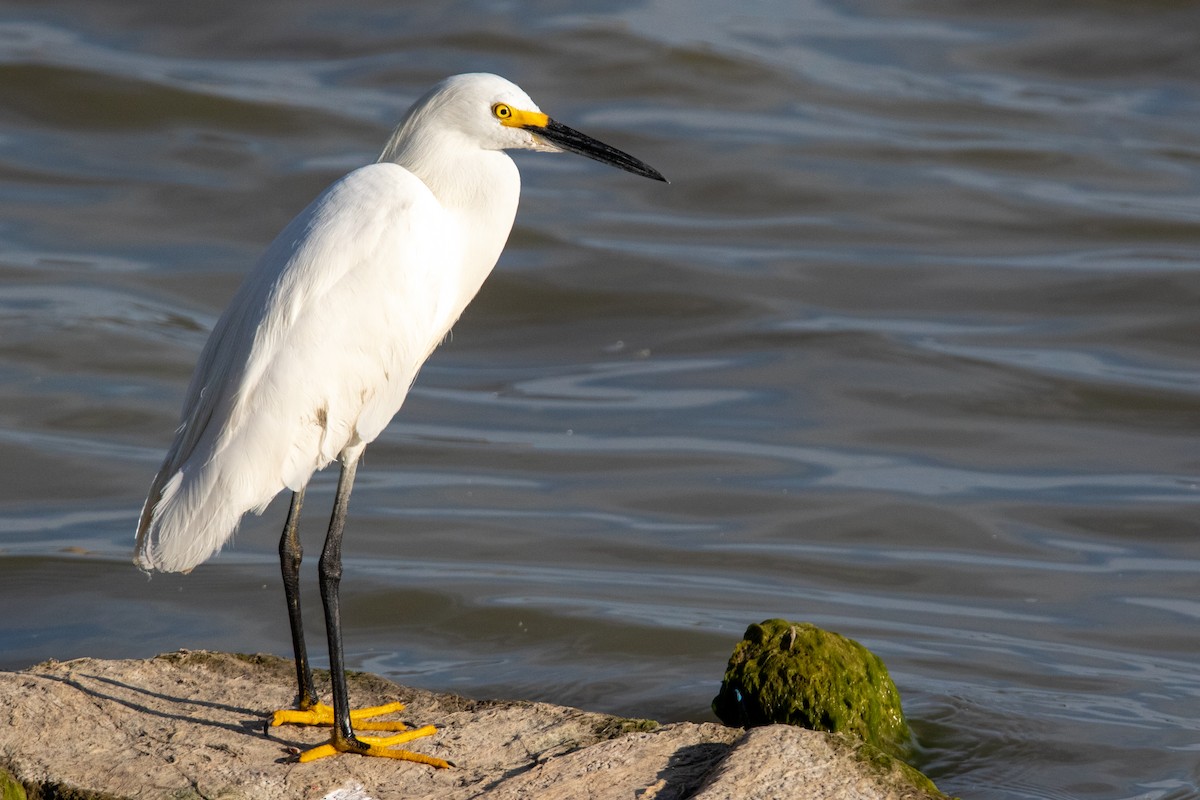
x: 191, y: 725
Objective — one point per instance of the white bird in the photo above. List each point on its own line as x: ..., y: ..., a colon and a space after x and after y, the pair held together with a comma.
x: 318, y: 348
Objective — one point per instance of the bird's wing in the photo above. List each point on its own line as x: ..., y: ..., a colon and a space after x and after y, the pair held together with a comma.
x: 339, y: 311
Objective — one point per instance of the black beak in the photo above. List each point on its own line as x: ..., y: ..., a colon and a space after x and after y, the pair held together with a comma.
x: 575, y: 142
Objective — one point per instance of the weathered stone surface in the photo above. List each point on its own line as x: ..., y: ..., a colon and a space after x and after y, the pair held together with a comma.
x: 783, y: 761
x: 190, y: 725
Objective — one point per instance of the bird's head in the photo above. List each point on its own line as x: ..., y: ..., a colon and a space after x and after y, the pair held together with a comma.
x: 495, y: 114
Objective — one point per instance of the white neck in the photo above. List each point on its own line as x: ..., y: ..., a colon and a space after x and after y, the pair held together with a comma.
x: 479, y: 188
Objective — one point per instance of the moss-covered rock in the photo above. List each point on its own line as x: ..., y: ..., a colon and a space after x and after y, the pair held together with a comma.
x: 10, y: 787
x: 797, y: 674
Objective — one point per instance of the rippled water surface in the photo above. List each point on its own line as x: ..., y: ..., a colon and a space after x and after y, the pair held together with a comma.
x: 908, y: 349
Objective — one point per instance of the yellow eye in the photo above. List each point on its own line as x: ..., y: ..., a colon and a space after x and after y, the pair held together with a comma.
x: 502, y: 111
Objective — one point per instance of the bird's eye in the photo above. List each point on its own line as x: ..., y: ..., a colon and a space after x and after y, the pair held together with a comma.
x: 502, y: 111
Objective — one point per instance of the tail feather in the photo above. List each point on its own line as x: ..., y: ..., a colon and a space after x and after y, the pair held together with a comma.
x: 186, y: 521
x: 196, y: 502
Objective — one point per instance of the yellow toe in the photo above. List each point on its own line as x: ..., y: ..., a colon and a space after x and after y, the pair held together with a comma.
x: 321, y: 751
x: 380, y: 747
x: 361, y: 718
x: 320, y: 714
x: 376, y: 711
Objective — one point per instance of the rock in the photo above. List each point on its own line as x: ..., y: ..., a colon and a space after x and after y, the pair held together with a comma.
x: 798, y: 674
x: 190, y: 725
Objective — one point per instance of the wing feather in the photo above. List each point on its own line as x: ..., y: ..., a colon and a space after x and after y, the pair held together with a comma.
x: 335, y: 318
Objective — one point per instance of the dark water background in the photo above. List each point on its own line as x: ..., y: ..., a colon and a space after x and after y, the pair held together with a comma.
x: 908, y: 349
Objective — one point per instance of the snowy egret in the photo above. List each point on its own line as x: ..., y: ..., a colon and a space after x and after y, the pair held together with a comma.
x: 318, y: 348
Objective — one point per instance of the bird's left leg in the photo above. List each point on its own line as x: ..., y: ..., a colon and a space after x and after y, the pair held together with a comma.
x: 290, y: 555
x: 343, y: 739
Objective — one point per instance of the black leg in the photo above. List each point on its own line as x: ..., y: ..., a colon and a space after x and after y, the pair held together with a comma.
x: 290, y: 554
x: 330, y: 573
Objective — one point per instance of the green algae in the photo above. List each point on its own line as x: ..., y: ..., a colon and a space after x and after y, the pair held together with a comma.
x: 615, y: 727
x: 798, y: 674
x: 10, y: 787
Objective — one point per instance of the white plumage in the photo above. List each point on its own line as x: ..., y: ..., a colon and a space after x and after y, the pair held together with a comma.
x: 318, y: 348
x: 320, y: 344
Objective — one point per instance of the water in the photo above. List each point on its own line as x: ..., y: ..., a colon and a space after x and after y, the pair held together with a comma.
x: 908, y: 349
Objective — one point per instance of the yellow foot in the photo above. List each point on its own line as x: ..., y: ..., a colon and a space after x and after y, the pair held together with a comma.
x: 379, y: 746
x: 360, y: 718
